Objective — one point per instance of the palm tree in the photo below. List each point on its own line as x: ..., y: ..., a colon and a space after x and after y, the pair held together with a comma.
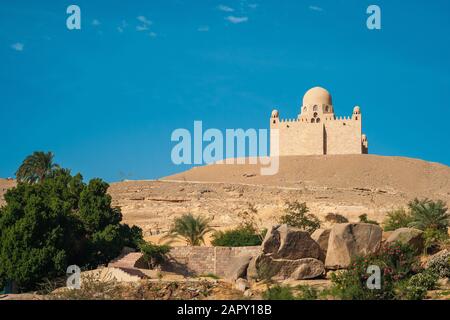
x: 428, y: 214
x: 36, y: 167
x: 190, y: 228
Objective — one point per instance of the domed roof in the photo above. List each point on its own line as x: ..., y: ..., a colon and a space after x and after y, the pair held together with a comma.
x: 356, y: 110
x: 317, y: 95
x: 275, y: 113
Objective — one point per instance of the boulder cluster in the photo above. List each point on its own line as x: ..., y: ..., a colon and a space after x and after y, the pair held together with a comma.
x: 290, y: 253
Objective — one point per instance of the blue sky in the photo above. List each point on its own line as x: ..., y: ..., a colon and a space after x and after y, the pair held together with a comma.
x: 105, y: 99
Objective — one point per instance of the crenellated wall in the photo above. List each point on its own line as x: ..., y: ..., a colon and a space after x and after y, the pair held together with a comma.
x: 332, y: 135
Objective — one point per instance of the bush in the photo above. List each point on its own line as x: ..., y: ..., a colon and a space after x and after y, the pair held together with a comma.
x: 239, y: 237
x: 364, y: 219
x: 428, y: 214
x: 296, y: 215
x: 426, y: 279
x: 433, y: 238
x: 335, y: 218
x: 397, y: 219
x: 56, y: 222
x: 306, y: 293
x: 439, y: 264
x: 396, y: 262
x: 278, y: 292
x: 153, y: 254
x: 405, y: 291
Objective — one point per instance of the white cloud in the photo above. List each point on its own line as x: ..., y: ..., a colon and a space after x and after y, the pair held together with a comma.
x: 144, y: 20
x: 203, y: 29
x: 120, y: 29
x: 18, y: 46
x: 235, y: 20
x: 152, y: 34
x: 315, y: 8
x: 253, y: 5
x: 142, y: 28
x: 225, y: 8
x: 95, y: 22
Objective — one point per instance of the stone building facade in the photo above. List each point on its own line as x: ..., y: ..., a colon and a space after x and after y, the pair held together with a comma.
x: 317, y: 131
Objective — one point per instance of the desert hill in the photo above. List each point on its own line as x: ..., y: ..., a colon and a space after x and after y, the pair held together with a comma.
x: 346, y: 184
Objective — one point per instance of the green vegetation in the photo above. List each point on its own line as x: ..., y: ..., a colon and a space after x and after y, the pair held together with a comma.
x: 239, y: 237
x: 301, y: 292
x: 396, y: 219
x: 36, y: 167
x: 54, y: 220
x: 297, y: 215
x: 364, y: 219
x: 153, y: 254
x: 428, y: 214
x: 278, y: 292
x: 432, y: 217
x: 398, y: 264
x: 440, y: 264
x: 247, y: 233
x: 190, y: 228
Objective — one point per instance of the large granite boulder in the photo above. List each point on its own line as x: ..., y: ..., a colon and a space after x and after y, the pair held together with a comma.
x: 267, y: 267
x: 351, y: 239
x: 411, y: 236
x: 321, y: 236
x: 286, y: 242
x: 238, y: 267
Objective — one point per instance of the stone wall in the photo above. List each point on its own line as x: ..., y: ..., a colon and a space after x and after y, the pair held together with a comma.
x: 204, y: 260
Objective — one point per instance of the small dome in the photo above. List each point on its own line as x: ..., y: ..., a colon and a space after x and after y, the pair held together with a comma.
x: 317, y: 95
x: 275, y: 114
x: 356, y: 110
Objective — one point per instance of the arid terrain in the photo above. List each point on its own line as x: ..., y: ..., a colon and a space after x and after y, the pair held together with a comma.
x: 350, y: 185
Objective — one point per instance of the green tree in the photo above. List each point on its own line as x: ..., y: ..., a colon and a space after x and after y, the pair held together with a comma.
x: 36, y: 167
x: 428, y: 214
x: 46, y: 226
x: 190, y: 228
x: 297, y: 215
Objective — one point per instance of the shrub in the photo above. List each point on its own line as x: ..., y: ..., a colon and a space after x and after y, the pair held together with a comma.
x: 433, y: 238
x: 296, y: 215
x: 190, y: 228
x: 397, y: 219
x: 278, y: 292
x: 426, y: 279
x: 335, y: 218
x: 239, y: 237
x: 153, y: 254
x: 306, y: 293
x: 440, y: 264
x: 396, y: 262
x: 428, y: 214
x: 404, y: 290
x: 55, y: 222
x: 364, y: 219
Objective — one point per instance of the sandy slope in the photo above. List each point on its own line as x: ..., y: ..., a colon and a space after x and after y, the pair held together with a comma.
x: 349, y: 185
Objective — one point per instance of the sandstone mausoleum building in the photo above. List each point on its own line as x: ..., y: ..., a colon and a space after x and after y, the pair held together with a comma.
x: 317, y: 131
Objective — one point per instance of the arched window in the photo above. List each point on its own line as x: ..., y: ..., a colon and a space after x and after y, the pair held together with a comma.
x: 315, y: 114
x: 312, y: 120
x: 305, y: 108
x: 327, y: 108
x: 318, y: 120
x: 315, y: 108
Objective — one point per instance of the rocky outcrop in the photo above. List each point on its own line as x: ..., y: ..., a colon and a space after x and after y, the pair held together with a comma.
x: 238, y: 267
x: 348, y: 240
x: 411, y: 236
x: 290, y: 243
x: 266, y: 267
x: 321, y: 236
x: 288, y: 253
